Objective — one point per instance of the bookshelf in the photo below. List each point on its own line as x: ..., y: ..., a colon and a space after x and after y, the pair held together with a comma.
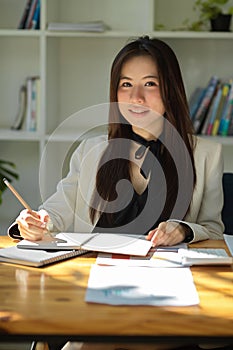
x: 74, y: 70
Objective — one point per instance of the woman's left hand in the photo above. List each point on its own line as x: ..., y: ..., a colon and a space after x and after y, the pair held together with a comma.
x: 167, y: 233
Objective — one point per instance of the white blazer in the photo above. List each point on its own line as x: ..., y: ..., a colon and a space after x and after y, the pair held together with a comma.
x: 68, y: 207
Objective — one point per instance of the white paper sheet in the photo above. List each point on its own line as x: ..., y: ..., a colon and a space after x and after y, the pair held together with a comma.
x: 156, y: 257
x: 122, y: 285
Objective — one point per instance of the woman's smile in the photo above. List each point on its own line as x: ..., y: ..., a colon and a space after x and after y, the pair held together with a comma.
x: 138, y: 111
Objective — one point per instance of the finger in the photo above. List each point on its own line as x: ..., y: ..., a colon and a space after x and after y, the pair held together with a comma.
x: 29, y: 213
x: 30, y: 233
x: 162, y: 236
x: 151, y: 234
x: 158, y: 239
x: 31, y: 224
x: 156, y: 234
x: 155, y: 237
x: 43, y: 215
x: 31, y: 237
x: 27, y: 217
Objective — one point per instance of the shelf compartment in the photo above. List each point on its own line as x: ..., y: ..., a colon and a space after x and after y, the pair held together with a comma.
x: 20, y: 58
x: 136, y: 13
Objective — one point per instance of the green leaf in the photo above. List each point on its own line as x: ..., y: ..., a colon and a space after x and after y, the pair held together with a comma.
x: 6, y: 171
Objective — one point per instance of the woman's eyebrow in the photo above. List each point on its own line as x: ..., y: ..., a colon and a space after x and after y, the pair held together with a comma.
x: 125, y: 77
x: 151, y: 76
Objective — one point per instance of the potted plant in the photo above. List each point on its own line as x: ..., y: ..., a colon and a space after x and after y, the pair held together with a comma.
x: 6, y: 172
x: 214, y: 12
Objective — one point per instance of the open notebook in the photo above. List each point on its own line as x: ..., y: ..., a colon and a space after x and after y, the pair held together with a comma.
x: 99, y: 242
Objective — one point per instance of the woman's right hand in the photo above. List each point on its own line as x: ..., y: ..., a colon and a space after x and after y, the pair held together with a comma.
x: 33, y: 224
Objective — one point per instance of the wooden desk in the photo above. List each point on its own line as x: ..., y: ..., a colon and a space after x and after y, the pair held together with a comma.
x: 40, y: 303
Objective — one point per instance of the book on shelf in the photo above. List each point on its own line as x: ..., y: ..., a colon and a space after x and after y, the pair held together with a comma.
x: 230, y: 125
x: 30, y: 18
x: 204, y: 106
x: 195, y: 100
x: 213, y: 110
x: 36, y: 17
x: 92, y: 26
x: 29, y: 103
x: 225, y: 120
x: 27, y: 117
x: 33, y: 103
x: 24, y: 17
x: 22, y: 104
x: 38, y: 102
x: 220, y: 111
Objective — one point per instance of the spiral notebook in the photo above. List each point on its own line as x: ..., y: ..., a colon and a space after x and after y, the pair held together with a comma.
x: 36, y: 258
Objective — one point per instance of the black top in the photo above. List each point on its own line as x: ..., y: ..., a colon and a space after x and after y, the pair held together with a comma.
x: 142, y: 213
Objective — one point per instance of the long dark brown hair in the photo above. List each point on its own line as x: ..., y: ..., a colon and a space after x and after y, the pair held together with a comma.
x: 176, y: 113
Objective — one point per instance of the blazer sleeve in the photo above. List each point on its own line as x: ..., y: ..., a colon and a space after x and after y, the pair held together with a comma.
x: 204, y: 216
x: 61, y: 205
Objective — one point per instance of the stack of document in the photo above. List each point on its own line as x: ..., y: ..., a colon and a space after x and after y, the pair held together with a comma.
x: 95, y: 26
x: 156, y: 257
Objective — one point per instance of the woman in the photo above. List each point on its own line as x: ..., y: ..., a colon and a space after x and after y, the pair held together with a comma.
x: 150, y: 175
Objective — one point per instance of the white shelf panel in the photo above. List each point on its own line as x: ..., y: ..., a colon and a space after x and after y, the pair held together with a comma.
x: 118, y: 34
x: 19, y: 135
x: 20, y: 32
x: 126, y: 34
x: 193, y: 35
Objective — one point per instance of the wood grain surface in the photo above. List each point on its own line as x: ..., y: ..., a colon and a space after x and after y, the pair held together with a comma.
x: 50, y: 301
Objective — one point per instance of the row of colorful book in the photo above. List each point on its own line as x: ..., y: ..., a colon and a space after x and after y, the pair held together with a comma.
x: 28, y: 113
x: 30, y: 18
x: 211, y: 108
